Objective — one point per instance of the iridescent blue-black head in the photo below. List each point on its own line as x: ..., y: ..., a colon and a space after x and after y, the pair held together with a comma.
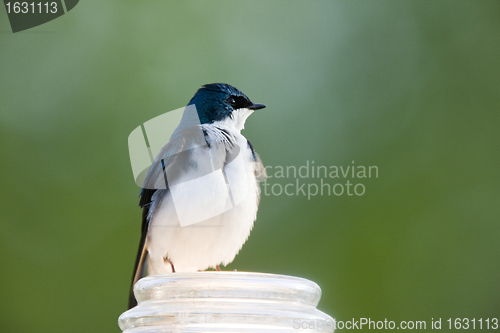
x: 217, y: 101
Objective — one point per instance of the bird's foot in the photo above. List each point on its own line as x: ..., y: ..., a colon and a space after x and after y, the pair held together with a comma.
x: 165, y: 259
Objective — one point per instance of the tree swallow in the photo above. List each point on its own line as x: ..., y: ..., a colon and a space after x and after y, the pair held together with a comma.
x: 201, y: 194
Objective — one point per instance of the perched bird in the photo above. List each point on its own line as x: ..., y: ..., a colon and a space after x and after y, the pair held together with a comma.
x: 201, y: 194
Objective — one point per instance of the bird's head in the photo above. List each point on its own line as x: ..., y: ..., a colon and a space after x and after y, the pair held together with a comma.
x: 223, y: 103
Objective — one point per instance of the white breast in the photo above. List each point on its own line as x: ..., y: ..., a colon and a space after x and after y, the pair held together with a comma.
x: 218, y: 239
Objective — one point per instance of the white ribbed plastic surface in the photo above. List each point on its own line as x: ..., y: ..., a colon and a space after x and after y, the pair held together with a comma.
x: 225, y: 302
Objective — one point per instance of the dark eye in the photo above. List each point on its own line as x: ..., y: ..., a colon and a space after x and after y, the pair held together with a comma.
x: 231, y: 100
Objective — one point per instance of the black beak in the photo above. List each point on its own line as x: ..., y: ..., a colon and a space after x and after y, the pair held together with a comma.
x: 256, y: 106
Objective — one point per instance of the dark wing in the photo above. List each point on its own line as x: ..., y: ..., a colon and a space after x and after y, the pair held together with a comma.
x: 140, y: 260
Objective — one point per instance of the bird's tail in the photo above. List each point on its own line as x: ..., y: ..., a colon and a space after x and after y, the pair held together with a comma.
x: 139, y: 270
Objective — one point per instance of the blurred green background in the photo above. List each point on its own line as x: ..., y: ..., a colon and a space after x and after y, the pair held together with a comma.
x: 412, y: 87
